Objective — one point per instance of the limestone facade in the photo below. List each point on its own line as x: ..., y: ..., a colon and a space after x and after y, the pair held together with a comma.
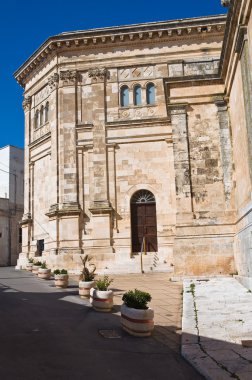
x: 141, y: 131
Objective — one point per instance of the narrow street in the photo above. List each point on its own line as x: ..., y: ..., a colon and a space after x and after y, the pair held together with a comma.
x: 49, y: 333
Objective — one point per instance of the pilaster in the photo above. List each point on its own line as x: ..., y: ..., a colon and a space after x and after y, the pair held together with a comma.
x: 100, y: 209
x: 226, y: 147
x: 242, y: 49
x: 178, y: 113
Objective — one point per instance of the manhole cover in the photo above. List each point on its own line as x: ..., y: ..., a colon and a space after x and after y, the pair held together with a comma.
x: 109, y: 334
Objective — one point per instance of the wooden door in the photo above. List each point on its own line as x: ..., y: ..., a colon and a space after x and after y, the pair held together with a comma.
x: 144, y: 224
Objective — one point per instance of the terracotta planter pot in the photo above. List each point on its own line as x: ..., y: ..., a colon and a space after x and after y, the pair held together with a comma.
x: 137, y: 322
x: 44, y: 273
x: 35, y: 269
x: 101, y: 300
x: 29, y: 267
x: 61, y: 280
x: 84, y: 288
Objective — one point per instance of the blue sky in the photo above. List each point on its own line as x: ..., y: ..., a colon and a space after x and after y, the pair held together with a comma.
x: 25, y: 24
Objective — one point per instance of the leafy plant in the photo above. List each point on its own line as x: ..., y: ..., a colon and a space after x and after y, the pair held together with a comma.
x: 43, y: 265
x: 30, y: 260
x: 38, y: 263
x: 60, y: 271
x: 88, y: 274
x: 136, y: 299
x: 103, y: 283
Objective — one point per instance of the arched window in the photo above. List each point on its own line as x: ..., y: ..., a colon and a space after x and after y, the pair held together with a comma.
x: 124, y: 96
x: 150, y: 93
x: 137, y: 95
x: 46, y: 112
x: 143, y: 196
x: 36, y: 119
x: 41, y: 115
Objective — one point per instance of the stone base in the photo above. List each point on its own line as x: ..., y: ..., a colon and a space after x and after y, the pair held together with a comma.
x: 245, y: 281
x: 22, y: 261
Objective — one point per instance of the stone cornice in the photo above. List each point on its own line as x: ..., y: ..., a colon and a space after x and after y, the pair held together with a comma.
x: 229, y: 37
x: 190, y: 81
x: 124, y: 35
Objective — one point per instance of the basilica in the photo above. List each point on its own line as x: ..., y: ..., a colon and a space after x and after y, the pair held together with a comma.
x: 138, y: 147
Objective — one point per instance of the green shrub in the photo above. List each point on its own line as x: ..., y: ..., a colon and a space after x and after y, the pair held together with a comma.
x: 60, y: 271
x: 103, y: 283
x: 38, y: 263
x: 136, y: 299
x: 30, y: 261
x: 43, y: 265
x: 88, y: 274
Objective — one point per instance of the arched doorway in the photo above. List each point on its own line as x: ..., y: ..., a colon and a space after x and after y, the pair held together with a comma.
x: 143, y: 221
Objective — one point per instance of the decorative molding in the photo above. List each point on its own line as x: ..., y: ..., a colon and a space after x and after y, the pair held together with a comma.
x: 126, y: 36
x: 68, y: 77
x: 177, y: 109
x: 101, y: 207
x: 98, y: 74
x: 241, y: 37
x: 225, y: 3
x: 53, y: 80
x: 26, y: 219
x: 27, y: 103
x: 63, y: 209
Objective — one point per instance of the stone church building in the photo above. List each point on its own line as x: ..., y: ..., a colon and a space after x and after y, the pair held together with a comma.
x: 140, y: 137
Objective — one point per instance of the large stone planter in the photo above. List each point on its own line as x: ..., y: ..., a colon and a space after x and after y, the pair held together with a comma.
x: 61, y: 280
x: 84, y: 288
x: 35, y: 269
x: 29, y: 267
x: 137, y: 322
x: 44, y: 273
x: 101, y: 300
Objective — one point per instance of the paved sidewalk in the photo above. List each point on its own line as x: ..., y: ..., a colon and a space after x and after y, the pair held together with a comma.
x: 217, y: 328
x: 52, y: 334
x: 166, y: 302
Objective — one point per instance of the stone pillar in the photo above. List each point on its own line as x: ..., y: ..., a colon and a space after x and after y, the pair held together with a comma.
x: 242, y: 49
x: 100, y: 206
x: 181, y: 158
x: 26, y: 219
x: 52, y: 246
x: 66, y: 212
x: 226, y: 146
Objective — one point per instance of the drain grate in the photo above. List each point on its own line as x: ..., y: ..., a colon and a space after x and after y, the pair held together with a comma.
x: 110, y: 334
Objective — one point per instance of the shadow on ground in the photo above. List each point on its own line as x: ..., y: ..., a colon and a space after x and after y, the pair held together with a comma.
x: 49, y: 333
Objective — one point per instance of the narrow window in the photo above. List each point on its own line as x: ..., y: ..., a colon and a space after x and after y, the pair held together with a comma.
x: 150, y: 93
x: 124, y: 95
x: 36, y: 120
x: 40, y: 247
x: 20, y: 235
x: 46, y: 112
x: 41, y: 116
x: 137, y: 95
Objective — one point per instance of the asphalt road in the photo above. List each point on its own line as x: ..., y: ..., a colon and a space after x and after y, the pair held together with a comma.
x: 46, y: 333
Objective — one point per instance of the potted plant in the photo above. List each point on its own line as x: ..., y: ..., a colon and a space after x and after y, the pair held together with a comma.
x: 36, y: 266
x: 61, y: 278
x: 44, y: 272
x: 29, y: 265
x: 136, y: 316
x: 100, y: 297
x: 88, y: 276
